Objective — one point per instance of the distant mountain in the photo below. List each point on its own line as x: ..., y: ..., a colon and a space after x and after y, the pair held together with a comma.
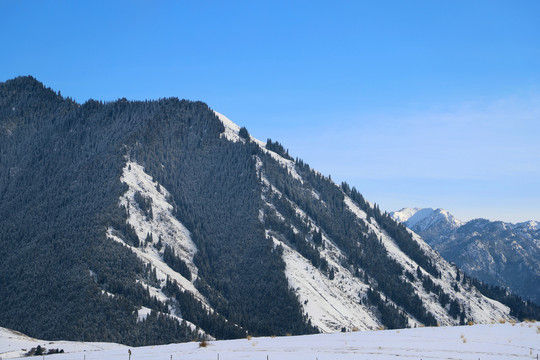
x: 499, y: 253
x: 153, y: 222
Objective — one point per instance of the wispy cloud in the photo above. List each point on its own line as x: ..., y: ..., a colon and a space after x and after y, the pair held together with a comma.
x: 474, y: 140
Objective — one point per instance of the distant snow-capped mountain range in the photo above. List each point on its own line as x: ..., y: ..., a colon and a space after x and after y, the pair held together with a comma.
x: 499, y: 253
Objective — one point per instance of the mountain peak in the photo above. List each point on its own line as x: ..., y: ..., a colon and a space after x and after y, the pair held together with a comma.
x: 418, y: 219
x: 23, y: 88
x: 404, y: 214
x: 28, y: 83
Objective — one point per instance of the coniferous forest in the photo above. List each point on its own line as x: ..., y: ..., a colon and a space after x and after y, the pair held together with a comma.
x: 60, y: 164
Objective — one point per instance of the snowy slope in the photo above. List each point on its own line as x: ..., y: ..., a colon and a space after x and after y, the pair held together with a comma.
x: 493, y: 341
x: 333, y: 304
x: 231, y: 134
x: 330, y: 304
x: 480, y: 308
x: 163, y: 225
x: 404, y: 214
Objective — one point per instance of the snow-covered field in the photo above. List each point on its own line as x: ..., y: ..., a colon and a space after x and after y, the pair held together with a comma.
x: 496, y: 341
x: 15, y: 345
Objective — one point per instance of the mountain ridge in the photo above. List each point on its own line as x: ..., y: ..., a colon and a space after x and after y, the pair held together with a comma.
x: 499, y: 253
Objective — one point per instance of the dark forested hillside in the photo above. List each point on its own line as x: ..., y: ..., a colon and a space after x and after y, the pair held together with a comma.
x: 77, y: 264
x: 218, y: 196
x: 60, y: 166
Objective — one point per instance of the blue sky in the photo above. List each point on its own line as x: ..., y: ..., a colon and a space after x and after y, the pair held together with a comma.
x: 416, y: 103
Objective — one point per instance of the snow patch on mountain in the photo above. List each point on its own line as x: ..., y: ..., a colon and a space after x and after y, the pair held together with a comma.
x: 162, y: 225
x: 421, y: 219
x: 231, y: 134
x: 533, y: 224
x: 231, y: 129
x: 144, y: 312
x: 361, y: 214
x: 329, y: 304
x: 162, y: 271
x: 393, y: 249
x: 404, y: 214
x: 421, y: 215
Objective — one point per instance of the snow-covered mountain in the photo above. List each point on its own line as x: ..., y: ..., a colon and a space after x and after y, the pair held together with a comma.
x: 423, y: 219
x: 496, y: 252
x: 160, y: 221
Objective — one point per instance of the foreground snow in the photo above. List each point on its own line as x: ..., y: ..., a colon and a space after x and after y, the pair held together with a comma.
x: 15, y: 345
x: 497, y: 341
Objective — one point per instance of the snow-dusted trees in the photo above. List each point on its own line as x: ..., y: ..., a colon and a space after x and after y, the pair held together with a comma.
x: 177, y: 264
